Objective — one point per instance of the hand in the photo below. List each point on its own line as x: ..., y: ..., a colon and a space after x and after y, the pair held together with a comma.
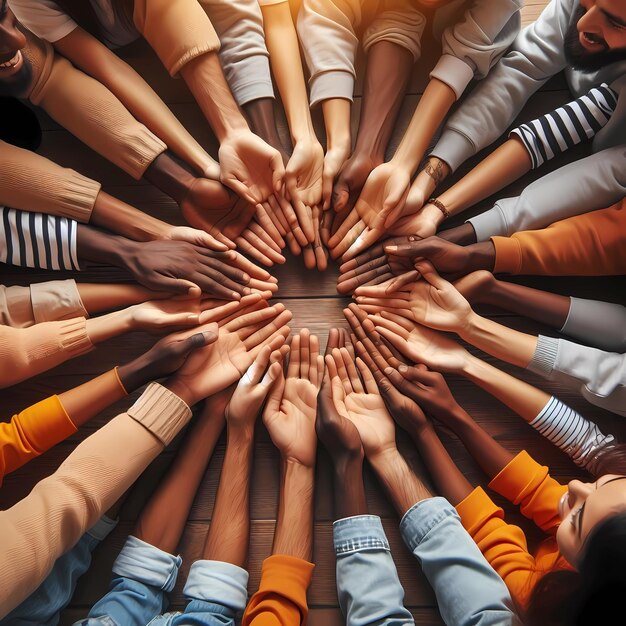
x: 315, y: 254
x: 334, y: 428
x: 351, y: 179
x: 380, y: 204
x: 289, y: 414
x: 303, y: 177
x: 333, y: 161
x: 475, y: 287
x: 360, y: 402
x: 239, y: 342
x: 401, y: 386
x: 421, y: 222
x: 257, y: 243
x: 421, y: 344
x: 158, y: 315
x: 253, y: 388
x: 181, y: 267
x: 215, y: 209
x: 249, y: 166
x: 199, y: 237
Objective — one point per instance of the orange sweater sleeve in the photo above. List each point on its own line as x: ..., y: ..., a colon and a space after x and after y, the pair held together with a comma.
x: 281, y: 598
x: 591, y: 244
x: 527, y: 483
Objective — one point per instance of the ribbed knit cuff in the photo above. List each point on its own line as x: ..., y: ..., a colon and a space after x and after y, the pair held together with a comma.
x: 73, y: 336
x: 76, y: 198
x: 252, y: 81
x: 454, y: 148
x: 333, y: 84
x: 56, y: 300
x: 491, y: 223
x: 402, y: 28
x: 162, y: 412
x: 142, y: 149
x: 453, y: 72
x: 508, y: 255
x: 545, y: 355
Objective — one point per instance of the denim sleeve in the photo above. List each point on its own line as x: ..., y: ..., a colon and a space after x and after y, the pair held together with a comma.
x: 469, y: 592
x: 43, y: 606
x: 367, y: 581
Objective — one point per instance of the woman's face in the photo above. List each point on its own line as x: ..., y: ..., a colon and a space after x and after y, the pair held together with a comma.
x: 583, y: 507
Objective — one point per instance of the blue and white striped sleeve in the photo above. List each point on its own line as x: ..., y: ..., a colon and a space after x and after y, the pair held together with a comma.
x: 36, y: 240
x: 559, y: 130
x: 579, y: 438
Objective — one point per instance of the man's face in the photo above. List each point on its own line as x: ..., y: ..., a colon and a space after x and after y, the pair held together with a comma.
x: 15, y: 72
x: 597, y: 35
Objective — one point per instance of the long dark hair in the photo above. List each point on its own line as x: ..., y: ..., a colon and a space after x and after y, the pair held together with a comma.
x: 596, y: 592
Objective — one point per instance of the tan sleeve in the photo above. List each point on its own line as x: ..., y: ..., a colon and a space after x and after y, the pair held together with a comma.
x: 30, y: 182
x: 58, y: 511
x: 177, y: 31
x: 26, y: 352
x: 91, y: 112
x: 21, y: 307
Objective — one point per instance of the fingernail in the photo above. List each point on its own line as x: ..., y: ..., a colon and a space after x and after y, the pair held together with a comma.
x: 403, y: 369
x: 391, y: 248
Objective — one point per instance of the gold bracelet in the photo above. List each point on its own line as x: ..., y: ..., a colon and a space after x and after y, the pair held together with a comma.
x: 440, y: 205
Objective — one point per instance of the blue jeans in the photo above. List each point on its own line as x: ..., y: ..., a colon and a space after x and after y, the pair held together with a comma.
x: 217, y: 591
x: 43, y: 606
x: 367, y: 581
x: 469, y: 591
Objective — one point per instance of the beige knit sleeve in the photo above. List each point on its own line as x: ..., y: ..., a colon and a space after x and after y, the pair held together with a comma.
x: 21, y: 307
x: 31, y: 182
x: 26, y: 352
x: 58, y: 511
x: 92, y: 113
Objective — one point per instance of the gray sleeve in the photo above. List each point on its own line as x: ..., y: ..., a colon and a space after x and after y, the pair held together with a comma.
x: 599, y: 324
x: 535, y: 56
x: 243, y: 53
x: 469, y: 591
x: 600, y: 376
x: 474, y: 44
x: 588, y: 184
x: 327, y: 33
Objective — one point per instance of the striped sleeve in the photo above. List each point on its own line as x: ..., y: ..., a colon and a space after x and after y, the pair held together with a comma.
x: 579, y: 438
x: 559, y: 130
x: 37, y: 240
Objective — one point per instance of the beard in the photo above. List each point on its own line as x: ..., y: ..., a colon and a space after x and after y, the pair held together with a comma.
x: 17, y: 84
x: 579, y: 57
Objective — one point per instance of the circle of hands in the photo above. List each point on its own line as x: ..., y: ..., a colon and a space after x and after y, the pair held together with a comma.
x: 385, y: 370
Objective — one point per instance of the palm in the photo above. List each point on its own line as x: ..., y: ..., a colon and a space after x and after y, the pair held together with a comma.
x: 384, y: 183
x: 304, y: 170
x: 434, y: 350
x: 156, y: 316
x: 413, y: 224
x: 371, y: 418
x: 444, y: 309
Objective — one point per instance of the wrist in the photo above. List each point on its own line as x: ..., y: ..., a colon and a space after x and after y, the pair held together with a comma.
x: 240, y: 434
x: 347, y: 466
x: 179, y: 388
x: 135, y: 374
x: 482, y: 256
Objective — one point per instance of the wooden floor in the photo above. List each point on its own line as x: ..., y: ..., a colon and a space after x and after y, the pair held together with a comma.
x: 316, y: 305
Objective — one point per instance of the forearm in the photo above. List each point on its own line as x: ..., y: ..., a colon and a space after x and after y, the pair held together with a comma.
x: 434, y: 173
x: 97, y: 297
x: 230, y: 524
x: 294, y: 527
x: 260, y: 113
x: 109, y: 325
x: 282, y: 45
x: 205, y: 79
x: 336, y: 112
x: 500, y: 341
x: 386, y: 77
x: 175, y: 494
x: 170, y: 177
x: 429, y: 113
x: 349, y: 488
x: 100, y: 247
x: 399, y: 482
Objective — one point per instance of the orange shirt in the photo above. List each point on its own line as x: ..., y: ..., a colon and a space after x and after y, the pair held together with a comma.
x: 591, y: 244
x: 281, y: 598
x: 526, y: 483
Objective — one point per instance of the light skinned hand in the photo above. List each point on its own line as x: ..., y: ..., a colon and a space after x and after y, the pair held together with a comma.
x: 200, y: 237
x: 334, y: 159
x: 258, y: 244
x: 289, y: 414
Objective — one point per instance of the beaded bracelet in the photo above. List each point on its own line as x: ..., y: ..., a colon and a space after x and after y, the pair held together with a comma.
x: 440, y: 205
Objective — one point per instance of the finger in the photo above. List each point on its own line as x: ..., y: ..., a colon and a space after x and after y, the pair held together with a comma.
x: 314, y: 356
x: 342, y: 372
x: 278, y: 213
x: 243, y: 310
x: 305, y: 219
x: 305, y: 352
x: 278, y: 170
x: 272, y: 405
x: 321, y: 255
x: 294, y: 246
x: 249, y: 319
x: 333, y: 340
x: 256, y: 370
x: 262, y: 247
x: 240, y: 188
x: 400, y: 301
x: 262, y: 285
x: 308, y: 256
x: 260, y: 335
x: 395, y: 340
x: 381, y: 322
x: 407, y: 278
x: 248, y: 248
x: 220, y: 313
x: 365, y: 239
x: 368, y: 378
x: 353, y: 375
x: 325, y: 225
x: 348, y: 223
x: 293, y: 370
x: 270, y: 223
x: 261, y: 233
x: 399, y: 320
x: 377, y: 252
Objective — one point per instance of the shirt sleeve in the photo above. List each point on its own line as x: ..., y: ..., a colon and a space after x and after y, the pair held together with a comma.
x: 598, y: 324
x: 587, y: 184
x: 472, y: 46
x: 92, y: 113
x: 26, y: 352
x: 567, y: 429
x: 31, y: 182
x: 556, y: 132
x: 21, y: 307
x: 469, y: 592
x: 35, y: 240
x: 600, y: 376
x: 535, y: 56
x: 368, y: 586
x: 586, y: 245
x: 327, y: 33
x: 281, y: 597
x: 243, y: 53
x: 61, y: 507
x: 44, y: 18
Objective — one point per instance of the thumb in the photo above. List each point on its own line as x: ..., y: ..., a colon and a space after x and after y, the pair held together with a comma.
x: 428, y: 272
x: 393, y: 205
x: 278, y: 171
x: 340, y: 196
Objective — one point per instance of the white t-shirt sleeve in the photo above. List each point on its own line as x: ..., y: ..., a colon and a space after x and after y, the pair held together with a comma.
x: 44, y: 18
